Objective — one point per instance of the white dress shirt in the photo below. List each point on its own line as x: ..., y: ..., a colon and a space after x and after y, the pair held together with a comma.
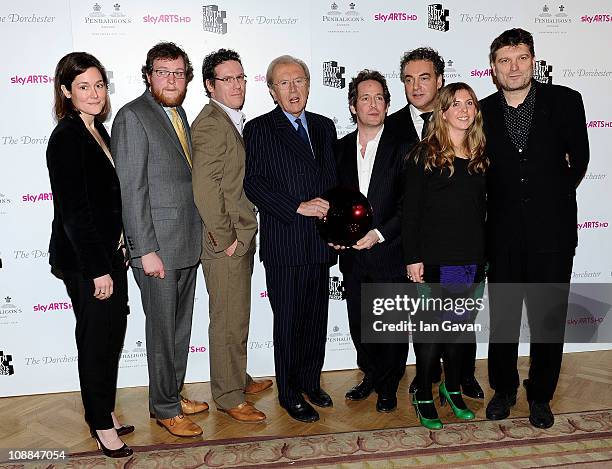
x: 417, y: 120
x: 365, y: 164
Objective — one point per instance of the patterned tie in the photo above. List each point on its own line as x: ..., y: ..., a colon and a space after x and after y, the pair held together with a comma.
x: 302, y: 132
x: 177, y: 123
x: 425, y: 116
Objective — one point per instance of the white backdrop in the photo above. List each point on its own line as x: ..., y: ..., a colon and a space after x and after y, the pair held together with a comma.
x: 337, y: 39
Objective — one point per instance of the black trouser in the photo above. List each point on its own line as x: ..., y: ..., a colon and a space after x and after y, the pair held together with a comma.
x: 546, y: 312
x: 384, y: 364
x: 100, y: 330
x: 457, y: 350
x: 299, y: 297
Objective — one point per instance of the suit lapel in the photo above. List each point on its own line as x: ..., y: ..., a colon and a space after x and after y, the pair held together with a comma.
x: 383, y: 153
x: 229, y: 121
x: 288, y: 134
x: 541, y: 116
x: 350, y: 160
x: 164, y: 120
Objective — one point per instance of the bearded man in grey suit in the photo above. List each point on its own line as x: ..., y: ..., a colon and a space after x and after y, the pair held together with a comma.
x: 151, y: 145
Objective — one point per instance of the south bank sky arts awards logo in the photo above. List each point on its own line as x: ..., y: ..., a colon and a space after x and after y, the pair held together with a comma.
x: 213, y: 19
x: 336, y: 289
x: 6, y: 366
x: 333, y: 75
x: 542, y: 72
x: 437, y: 17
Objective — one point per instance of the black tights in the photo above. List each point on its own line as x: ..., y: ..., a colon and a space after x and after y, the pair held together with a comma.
x: 429, y: 354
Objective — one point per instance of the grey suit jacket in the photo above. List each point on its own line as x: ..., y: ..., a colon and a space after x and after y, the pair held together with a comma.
x: 218, y: 176
x: 159, y: 214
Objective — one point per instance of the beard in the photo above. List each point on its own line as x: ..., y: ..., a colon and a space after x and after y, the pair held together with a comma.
x: 166, y: 101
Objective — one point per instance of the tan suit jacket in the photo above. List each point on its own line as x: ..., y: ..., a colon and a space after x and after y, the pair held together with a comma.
x: 218, y: 175
x: 227, y: 215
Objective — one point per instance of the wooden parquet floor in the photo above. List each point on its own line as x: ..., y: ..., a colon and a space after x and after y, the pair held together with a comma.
x: 56, y: 420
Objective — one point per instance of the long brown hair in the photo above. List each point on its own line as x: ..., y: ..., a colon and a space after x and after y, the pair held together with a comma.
x: 437, y: 149
x: 68, y: 68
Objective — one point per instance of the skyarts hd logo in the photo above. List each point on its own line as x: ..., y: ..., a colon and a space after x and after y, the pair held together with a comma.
x: 6, y: 369
x: 542, y: 72
x: 437, y: 17
x: 336, y: 289
x: 333, y: 75
x: 213, y: 19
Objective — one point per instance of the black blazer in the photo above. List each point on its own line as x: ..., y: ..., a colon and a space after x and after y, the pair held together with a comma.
x: 384, y: 194
x: 86, y: 200
x: 280, y: 173
x: 401, y: 124
x: 531, y: 196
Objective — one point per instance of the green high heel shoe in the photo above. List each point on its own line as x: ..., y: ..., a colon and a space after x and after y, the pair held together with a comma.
x: 432, y: 424
x: 445, y: 395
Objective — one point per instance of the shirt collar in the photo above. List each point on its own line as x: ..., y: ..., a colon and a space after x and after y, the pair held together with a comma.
x: 527, y: 102
x: 375, y: 140
x: 416, y: 114
x: 292, y: 118
x: 236, y: 115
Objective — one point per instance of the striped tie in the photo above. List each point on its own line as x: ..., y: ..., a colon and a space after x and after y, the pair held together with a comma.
x: 177, y: 123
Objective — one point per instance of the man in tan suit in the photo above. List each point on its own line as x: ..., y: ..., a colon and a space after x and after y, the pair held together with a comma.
x: 229, y: 231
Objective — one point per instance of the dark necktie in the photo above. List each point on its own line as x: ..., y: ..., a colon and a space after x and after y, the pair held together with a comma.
x: 425, y: 116
x: 301, y: 131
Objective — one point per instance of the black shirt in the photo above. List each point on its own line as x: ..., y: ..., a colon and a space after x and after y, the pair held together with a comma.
x: 518, y: 119
x: 443, y: 217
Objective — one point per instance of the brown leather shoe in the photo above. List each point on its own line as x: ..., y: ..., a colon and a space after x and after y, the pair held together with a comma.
x: 180, y: 425
x: 257, y: 386
x: 190, y: 407
x: 245, y: 412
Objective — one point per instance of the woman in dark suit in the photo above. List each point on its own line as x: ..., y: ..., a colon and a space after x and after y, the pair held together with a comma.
x: 86, y: 249
x: 443, y: 241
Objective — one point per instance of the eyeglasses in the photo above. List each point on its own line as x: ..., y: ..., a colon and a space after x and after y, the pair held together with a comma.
x: 297, y: 82
x: 240, y: 80
x: 178, y: 75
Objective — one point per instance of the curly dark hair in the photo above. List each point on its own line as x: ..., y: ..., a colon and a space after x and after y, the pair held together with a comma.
x: 212, y: 60
x: 362, y: 76
x: 511, y: 37
x: 423, y: 53
x: 167, y: 51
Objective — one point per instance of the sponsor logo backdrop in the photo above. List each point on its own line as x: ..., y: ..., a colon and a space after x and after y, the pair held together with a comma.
x: 336, y: 38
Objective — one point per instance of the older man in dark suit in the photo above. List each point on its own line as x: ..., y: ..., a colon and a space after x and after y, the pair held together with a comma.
x: 370, y: 159
x: 290, y: 163
x: 538, y: 146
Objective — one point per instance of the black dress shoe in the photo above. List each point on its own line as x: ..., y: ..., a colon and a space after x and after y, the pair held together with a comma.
x: 319, y: 398
x: 303, y: 412
x: 540, y: 415
x: 471, y: 388
x: 386, y: 403
x: 499, y: 406
x: 361, y: 391
x: 124, y: 429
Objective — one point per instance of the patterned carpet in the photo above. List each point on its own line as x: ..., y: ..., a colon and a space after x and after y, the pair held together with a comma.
x: 579, y: 440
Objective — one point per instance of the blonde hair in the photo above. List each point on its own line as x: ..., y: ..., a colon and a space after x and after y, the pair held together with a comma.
x: 437, y: 149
